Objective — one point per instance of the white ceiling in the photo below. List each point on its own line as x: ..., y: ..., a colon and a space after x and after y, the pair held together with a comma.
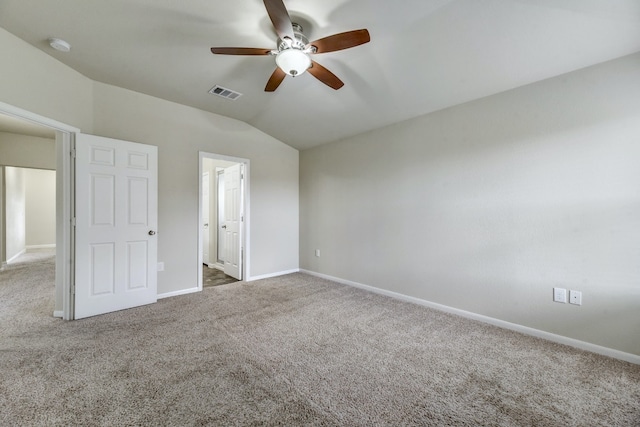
x: 424, y: 55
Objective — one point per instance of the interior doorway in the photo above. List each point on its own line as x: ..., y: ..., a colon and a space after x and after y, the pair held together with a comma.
x: 223, y: 219
x: 29, y: 200
x: 22, y: 125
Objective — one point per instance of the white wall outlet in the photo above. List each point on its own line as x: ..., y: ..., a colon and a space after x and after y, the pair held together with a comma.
x: 560, y: 295
x: 317, y: 252
x: 161, y: 266
x: 575, y: 297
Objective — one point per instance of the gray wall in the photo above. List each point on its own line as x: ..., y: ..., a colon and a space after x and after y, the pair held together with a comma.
x: 29, y: 198
x: 15, y: 238
x: 27, y: 151
x: 39, y: 83
x: 40, y: 207
x: 487, y: 206
x: 3, y: 232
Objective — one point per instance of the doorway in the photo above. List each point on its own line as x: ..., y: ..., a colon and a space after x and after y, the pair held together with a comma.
x: 223, y: 231
x: 17, y: 121
x: 29, y: 200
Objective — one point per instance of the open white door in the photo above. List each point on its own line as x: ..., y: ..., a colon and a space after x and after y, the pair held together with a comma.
x: 233, y: 216
x: 116, y: 220
x: 206, y: 238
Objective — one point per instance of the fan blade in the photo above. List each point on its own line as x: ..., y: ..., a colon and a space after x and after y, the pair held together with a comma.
x: 240, y: 51
x: 274, y: 81
x: 341, y: 41
x: 325, y: 76
x: 280, y: 18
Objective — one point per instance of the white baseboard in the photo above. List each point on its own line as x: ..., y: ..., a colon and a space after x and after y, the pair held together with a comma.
x: 49, y: 246
x: 582, y: 345
x: 270, y: 275
x: 58, y: 313
x: 177, y: 293
x: 13, y: 258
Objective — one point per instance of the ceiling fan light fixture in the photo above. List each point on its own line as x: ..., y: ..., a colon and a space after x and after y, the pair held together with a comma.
x: 293, y: 50
x: 293, y: 61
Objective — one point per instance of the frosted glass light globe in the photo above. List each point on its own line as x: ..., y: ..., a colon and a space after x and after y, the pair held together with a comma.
x: 293, y: 61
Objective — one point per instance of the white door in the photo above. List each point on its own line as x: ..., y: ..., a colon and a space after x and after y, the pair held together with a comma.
x: 233, y: 217
x: 205, y: 218
x: 116, y: 222
x: 220, y: 220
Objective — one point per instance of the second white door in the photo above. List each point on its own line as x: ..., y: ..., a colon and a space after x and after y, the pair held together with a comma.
x: 206, y: 237
x: 234, y: 217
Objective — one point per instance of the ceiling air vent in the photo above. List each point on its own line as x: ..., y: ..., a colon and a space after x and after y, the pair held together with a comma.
x: 225, y: 93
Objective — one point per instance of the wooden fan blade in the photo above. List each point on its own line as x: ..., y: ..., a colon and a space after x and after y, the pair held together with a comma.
x: 274, y: 81
x: 341, y: 41
x: 325, y: 76
x: 280, y: 18
x: 240, y: 51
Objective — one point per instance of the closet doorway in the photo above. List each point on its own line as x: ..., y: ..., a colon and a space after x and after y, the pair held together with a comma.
x: 223, y: 218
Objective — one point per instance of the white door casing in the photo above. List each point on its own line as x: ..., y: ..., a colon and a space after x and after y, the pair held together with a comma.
x: 116, y: 224
x: 233, y: 215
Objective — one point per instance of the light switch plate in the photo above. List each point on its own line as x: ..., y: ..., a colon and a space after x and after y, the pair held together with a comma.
x: 560, y: 295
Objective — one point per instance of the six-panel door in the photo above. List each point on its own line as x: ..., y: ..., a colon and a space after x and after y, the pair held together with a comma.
x: 116, y: 225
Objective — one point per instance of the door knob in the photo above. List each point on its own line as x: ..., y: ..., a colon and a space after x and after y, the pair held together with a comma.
x: 151, y: 232
x: 224, y: 226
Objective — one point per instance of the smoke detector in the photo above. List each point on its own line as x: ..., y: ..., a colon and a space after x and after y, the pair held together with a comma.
x: 59, y: 44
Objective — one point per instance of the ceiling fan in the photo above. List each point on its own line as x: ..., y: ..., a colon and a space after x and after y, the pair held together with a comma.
x: 294, y: 50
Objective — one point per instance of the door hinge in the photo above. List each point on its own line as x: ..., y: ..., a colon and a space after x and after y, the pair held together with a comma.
x: 241, y: 176
x: 73, y: 153
x: 73, y: 289
x: 73, y: 221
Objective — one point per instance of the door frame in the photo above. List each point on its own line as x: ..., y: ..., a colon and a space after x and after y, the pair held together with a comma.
x: 65, y: 258
x: 245, y: 239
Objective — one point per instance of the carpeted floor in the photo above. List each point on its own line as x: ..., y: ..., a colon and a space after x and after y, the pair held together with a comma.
x: 294, y: 350
x: 215, y: 277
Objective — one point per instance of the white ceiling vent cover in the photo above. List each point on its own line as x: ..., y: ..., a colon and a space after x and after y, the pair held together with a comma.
x: 225, y: 93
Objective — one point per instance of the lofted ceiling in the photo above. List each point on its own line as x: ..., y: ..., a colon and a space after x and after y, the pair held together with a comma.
x: 424, y: 55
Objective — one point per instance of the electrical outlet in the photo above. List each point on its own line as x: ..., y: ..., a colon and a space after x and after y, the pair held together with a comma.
x: 560, y: 295
x: 575, y: 297
x: 318, y: 252
x: 160, y: 266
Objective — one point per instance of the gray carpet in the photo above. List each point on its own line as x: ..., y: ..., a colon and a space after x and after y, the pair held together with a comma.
x: 294, y: 350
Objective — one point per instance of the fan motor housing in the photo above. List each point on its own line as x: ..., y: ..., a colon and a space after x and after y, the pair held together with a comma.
x: 300, y: 41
